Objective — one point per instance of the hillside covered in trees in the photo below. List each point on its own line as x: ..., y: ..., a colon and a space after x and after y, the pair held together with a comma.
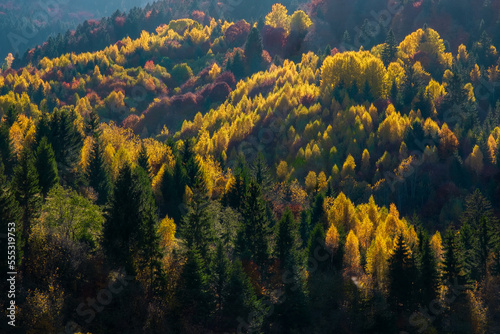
x: 184, y: 173
x: 27, y: 23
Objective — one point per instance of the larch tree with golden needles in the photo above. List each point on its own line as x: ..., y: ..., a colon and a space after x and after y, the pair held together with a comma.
x: 352, y: 256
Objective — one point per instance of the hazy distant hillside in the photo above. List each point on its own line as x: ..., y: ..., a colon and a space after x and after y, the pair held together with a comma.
x: 367, y: 22
x: 26, y: 23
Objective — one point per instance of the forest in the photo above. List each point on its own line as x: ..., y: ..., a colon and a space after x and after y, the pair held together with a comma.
x: 28, y: 23
x: 189, y: 167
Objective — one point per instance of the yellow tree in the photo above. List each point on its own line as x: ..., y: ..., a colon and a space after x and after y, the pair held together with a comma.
x: 393, y: 226
x: 352, y: 256
x: 300, y: 22
x: 374, y: 74
x: 332, y: 239
x: 493, y: 147
x: 392, y: 129
x: 437, y: 247
x: 364, y: 232
x: 345, y: 65
x: 448, y: 142
x: 282, y: 171
x: 214, y: 71
x: 365, y: 163
x: 426, y: 41
x: 166, y: 232
x: 373, y: 211
x: 475, y: 74
x: 96, y: 76
x: 341, y: 213
x: 348, y: 169
x: 475, y: 160
x: 322, y: 181
x: 278, y: 17
x: 376, y: 260
x: 311, y: 182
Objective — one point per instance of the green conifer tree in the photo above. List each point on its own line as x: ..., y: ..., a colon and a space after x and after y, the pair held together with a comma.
x: 402, y: 274
x: 9, y: 214
x: 253, y: 50
x: 427, y: 265
x: 97, y: 172
x: 46, y: 166
x: 198, y: 224
x: 27, y: 193
x: 253, y: 238
x: 143, y: 160
x: 193, y: 293
x: 390, y: 49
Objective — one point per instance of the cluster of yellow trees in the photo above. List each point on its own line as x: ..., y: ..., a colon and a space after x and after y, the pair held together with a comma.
x: 371, y: 233
x: 314, y: 126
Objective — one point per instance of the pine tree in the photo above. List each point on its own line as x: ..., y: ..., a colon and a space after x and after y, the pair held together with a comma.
x: 5, y: 148
x: 317, y: 249
x: 193, y: 292
x: 253, y: 50
x: 27, y: 193
x: 143, y: 160
x: 484, y: 245
x: 97, y: 172
x: 305, y: 227
x: 346, y: 38
x: 390, y: 48
x: 149, y: 240
x: 189, y: 162
x: 242, y: 302
x: 495, y: 266
x: 409, y: 86
x: 173, y: 186
x: 43, y: 127
x: 219, y: 277
x: 456, y: 95
x: 468, y: 248
x: 11, y: 115
x: 92, y: 123
x: 260, y: 173
x: 428, y: 270
x: 253, y: 243
x: 424, y: 104
x: 46, y: 166
x: 130, y: 228
x: 236, y: 195
x: 452, y: 264
x: 394, y: 92
x: 9, y: 213
x: 198, y: 225
x: 236, y: 64
x: 401, y: 275
x: 121, y: 226
x: 317, y: 211
x: 415, y: 136
x: 66, y: 142
x: 485, y: 229
x: 367, y: 92
x: 287, y: 240
x: 328, y: 50
x: 294, y: 310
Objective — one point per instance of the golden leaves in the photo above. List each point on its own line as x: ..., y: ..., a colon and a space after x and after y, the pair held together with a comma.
x: 475, y: 160
x: 352, y: 256
x: 278, y: 17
